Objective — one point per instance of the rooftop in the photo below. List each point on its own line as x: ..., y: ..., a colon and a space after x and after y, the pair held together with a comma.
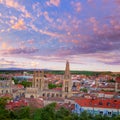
x: 118, y: 79
x: 99, y: 103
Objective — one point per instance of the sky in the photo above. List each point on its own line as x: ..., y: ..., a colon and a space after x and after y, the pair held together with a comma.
x: 46, y: 33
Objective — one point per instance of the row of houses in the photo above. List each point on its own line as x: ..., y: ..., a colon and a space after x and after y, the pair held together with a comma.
x: 107, y: 107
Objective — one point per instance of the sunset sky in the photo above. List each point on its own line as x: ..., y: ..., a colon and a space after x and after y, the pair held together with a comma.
x: 46, y: 33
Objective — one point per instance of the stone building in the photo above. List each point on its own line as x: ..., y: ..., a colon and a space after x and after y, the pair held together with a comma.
x: 5, y: 85
x: 40, y: 86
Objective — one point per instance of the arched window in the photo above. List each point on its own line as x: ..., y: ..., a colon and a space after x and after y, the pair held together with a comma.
x: 6, y: 91
x: 52, y: 94
x: 32, y: 96
x: 48, y: 94
x: 43, y: 94
x: 2, y: 91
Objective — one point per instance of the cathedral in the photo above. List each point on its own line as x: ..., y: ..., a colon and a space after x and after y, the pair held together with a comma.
x: 40, y: 86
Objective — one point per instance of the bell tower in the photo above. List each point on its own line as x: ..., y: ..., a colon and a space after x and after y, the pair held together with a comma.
x: 38, y: 80
x: 67, y: 82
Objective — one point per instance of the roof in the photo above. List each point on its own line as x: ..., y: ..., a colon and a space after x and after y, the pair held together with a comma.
x: 109, y: 93
x: 118, y: 79
x: 58, y: 99
x: 57, y: 89
x: 19, y: 86
x: 99, y: 103
x: 12, y: 105
x: 35, y: 102
x: 68, y: 106
x: 6, y: 95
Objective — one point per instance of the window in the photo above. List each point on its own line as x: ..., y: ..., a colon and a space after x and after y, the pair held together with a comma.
x: 109, y: 113
x: 66, y: 89
x: 2, y: 91
x: 6, y: 91
x: 100, y: 103
x: 108, y: 104
x: 48, y: 95
x: 101, y: 112
x: 52, y: 95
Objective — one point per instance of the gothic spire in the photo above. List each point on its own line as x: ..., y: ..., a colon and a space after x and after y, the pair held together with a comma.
x: 67, y: 69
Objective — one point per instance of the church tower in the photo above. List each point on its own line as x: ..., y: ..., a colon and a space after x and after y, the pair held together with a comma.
x: 67, y: 82
x: 38, y: 80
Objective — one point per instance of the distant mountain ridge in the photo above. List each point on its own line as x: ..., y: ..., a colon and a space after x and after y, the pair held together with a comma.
x: 21, y: 69
x: 12, y: 69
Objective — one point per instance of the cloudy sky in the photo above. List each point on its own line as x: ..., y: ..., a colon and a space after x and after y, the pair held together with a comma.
x: 46, y: 33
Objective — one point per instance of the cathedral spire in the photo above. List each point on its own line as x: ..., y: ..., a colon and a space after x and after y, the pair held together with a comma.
x: 67, y: 82
x: 67, y: 69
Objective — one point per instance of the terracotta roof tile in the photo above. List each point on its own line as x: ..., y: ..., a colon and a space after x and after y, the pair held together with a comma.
x: 118, y: 79
x: 99, y: 103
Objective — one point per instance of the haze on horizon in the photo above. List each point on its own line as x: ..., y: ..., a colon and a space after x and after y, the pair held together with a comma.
x: 46, y: 33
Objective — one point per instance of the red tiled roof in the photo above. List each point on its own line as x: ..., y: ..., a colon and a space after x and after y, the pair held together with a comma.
x: 35, y: 102
x: 12, y: 105
x: 7, y: 95
x: 58, y: 89
x: 99, y: 103
x: 19, y: 86
x: 68, y: 106
x: 118, y: 79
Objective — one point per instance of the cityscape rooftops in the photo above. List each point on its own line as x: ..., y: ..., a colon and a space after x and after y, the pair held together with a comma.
x: 99, y: 103
x: 15, y: 104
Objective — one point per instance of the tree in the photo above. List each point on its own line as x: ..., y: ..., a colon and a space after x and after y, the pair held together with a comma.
x: 23, y: 112
x: 46, y: 113
x: 26, y: 83
x: 51, y: 86
x: 84, y: 90
x: 4, y: 114
x: 85, y: 116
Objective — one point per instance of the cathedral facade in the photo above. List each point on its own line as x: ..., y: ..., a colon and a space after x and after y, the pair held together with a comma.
x: 40, y: 86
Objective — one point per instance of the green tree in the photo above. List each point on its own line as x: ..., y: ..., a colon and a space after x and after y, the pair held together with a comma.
x: 84, y: 90
x: 4, y: 114
x: 46, y: 113
x: 22, y: 113
x: 26, y: 83
x: 51, y: 86
x: 85, y: 116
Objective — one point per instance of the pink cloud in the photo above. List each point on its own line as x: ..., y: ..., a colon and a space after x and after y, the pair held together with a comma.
x: 55, y: 2
x: 19, y: 51
x: 52, y: 34
x: 118, y: 1
x: 4, y: 45
x: 6, y: 62
x: 16, y: 5
x: 90, y: 1
x: 77, y: 6
x: 30, y: 41
x: 47, y: 17
x: 20, y: 25
x: 94, y: 23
